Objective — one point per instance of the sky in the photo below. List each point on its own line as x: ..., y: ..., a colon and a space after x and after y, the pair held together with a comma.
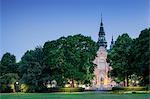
x: 26, y: 24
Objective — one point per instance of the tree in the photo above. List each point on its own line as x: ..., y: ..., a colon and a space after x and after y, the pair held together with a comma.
x: 70, y: 57
x: 54, y: 60
x: 30, y: 69
x: 8, y: 64
x: 8, y: 71
x: 32, y: 76
x: 141, y: 56
x: 120, y: 58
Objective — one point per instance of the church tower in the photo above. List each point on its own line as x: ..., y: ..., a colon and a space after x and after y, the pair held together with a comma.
x: 101, y: 80
x: 101, y: 36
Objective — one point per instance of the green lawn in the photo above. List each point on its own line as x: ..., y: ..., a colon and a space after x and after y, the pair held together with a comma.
x: 73, y: 96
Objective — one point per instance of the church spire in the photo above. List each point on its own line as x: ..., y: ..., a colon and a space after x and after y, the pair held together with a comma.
x: 112, y: 40
x: 101, y: 20
x: 101, y: 39
x: 101, y: 27
x: 112, y: 43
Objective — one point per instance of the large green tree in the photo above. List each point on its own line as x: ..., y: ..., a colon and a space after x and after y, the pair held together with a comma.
x: 8, y: 70
x: 30, y: 69
x: 70, y: 59
x: 120, y: 58
x: 8, y: 64
x: 141, y: 56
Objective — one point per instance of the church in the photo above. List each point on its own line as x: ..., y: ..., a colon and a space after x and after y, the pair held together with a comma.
x: 101, y: 80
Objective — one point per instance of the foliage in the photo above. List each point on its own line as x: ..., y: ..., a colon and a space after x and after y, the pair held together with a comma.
x: 1, y: 71
x: 24, y: 88
x: 131, y: 57
x: 8, y: 72
x: 130, y: 88
x: 66, y: 89
x: 7, y: 82
x: 8, y: 64
x: 141, y: 56
x: 32, y: 75
x: 30, y: 69
x: 70, y: 57
x: 120, y: 58
x: 9, y: 78
x: 70, y: 60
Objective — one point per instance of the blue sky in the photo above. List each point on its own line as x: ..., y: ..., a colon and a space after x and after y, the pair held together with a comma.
x: 26, y: 24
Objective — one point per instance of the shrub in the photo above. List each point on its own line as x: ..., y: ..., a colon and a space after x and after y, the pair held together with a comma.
x: 3, y: 89
x: 24, y: 88
x: 130, y: 88
x: 6, y: 88
x: 133, y: 92
x: 66, y: 89
x: 12, y: 87
x: 117, y: 88
x: 148, y: 86
x: 71, y: 89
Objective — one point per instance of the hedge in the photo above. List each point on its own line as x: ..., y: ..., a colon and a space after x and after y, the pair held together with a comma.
x: 66, y: 89
x: 7, y: 89
x: 130, y: 88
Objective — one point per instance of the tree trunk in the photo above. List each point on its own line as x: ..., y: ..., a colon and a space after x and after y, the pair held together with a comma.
x: 124, y: 82
x: 127, y: 80
x: 72, y: 83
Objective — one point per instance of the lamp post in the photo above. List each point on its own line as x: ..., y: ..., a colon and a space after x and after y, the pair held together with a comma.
x: 17, y: 88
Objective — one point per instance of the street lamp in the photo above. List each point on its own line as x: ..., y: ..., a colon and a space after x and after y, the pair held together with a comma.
x: 17, y: 83
x: 17, y: 88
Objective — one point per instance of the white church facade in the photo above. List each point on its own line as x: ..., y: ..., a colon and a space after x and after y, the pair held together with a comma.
x: 101, y: 80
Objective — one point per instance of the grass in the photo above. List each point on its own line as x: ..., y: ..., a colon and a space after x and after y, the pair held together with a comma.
x: 91, y: 95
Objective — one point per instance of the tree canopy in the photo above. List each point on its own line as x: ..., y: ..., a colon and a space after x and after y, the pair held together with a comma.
x: 70, y: 57
x: 30, y: 69
x: 120, y: 58
x: 131, y: 57
x: 8, y: 64
x: 8, y: 69
x: 141, y: 56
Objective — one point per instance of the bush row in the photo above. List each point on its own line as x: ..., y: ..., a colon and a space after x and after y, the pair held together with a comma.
x: 7, y: 88
x: 25, y: 88
x: 130, y: 88
x: 66, y: 89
